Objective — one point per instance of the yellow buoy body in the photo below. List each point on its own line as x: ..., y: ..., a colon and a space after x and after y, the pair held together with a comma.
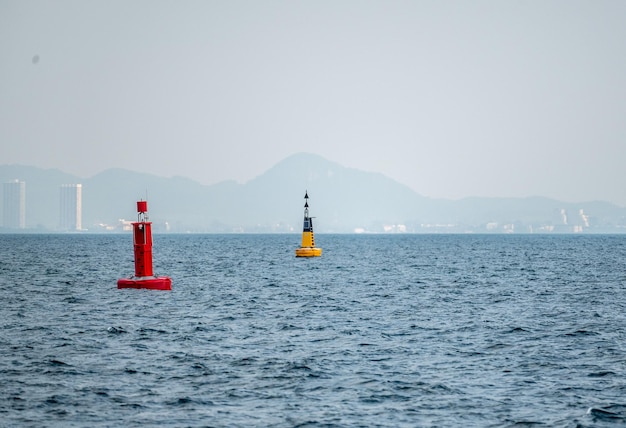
x: 308, y: 239
x: 308, y: 252
x: 308, y: 249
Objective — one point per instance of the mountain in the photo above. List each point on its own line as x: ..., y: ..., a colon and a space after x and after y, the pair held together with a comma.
x: 342, y: 199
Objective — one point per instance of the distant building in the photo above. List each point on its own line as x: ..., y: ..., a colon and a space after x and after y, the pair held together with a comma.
x: 14, y: 205
x: 71, y: 204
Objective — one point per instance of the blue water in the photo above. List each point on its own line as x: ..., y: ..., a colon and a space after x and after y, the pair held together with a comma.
x: 402, y: 330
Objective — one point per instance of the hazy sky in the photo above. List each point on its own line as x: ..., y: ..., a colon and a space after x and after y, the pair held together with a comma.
x: 452, y: 98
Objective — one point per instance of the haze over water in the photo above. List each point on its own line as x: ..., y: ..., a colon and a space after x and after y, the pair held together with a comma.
x: 402, y: 330
x: 453, y: 99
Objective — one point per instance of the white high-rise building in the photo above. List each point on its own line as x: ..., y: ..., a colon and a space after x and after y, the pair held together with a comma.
x: 14, y: 205
x: 71, y: 203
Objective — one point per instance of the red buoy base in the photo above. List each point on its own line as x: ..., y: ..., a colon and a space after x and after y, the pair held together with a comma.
x: 149, y: 282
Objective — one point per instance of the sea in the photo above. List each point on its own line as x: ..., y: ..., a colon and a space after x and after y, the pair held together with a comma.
x: 380, y: 331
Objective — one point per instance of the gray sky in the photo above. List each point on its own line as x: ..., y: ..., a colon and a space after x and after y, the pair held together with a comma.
x: 452, y: 98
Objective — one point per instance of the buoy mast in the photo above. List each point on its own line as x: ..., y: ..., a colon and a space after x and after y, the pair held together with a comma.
x: 308, y: 249
x: 142, y: 239
x: 142, y: 242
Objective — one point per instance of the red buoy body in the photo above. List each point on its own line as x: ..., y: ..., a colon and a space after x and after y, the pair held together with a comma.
x: 142, y: 241
x: 150, y: 283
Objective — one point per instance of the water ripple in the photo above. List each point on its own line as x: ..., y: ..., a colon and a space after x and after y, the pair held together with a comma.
x: 381, y: 331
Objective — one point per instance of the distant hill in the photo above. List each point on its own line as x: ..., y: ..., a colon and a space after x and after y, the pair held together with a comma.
x: 344, y: 200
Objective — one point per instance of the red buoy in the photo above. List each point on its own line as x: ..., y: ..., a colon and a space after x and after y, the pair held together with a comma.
x: 142, y: 238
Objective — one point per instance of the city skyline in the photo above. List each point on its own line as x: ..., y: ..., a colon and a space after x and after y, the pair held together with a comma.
x: 15, y: 210
x: 14, y: 204
x: 71, y: 205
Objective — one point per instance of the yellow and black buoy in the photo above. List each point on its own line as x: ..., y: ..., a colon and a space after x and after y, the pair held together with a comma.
x: 308, y: 249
